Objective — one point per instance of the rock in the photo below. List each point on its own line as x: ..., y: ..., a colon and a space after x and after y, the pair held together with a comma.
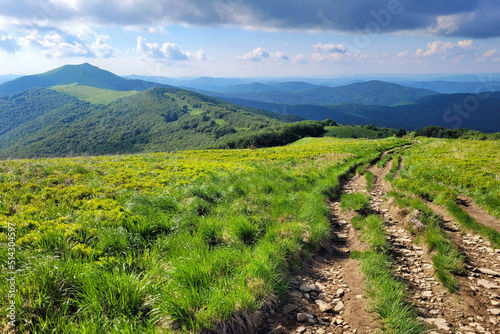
x: 427, y: 294
x: 487, y: 284
x: 289, y: 308
x: 488, y: 271
x: 301, y: 329
x: 296, y: 294
x: 494, y: 321
x: 494, y: 311
x: 323, y: 307
x: 320, y: 331
x: 278, y: 330
x: 339, y: 306
x: 340, y: 292
x: 441, y: 324
x: 308, y: 287
x: 301, y: 317
x: 495, y: 303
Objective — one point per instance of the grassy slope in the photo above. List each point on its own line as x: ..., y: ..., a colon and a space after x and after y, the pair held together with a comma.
x: 144, y: 243
x: 93, y: 95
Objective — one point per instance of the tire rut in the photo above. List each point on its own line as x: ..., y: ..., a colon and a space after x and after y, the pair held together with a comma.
x: 327, y: 293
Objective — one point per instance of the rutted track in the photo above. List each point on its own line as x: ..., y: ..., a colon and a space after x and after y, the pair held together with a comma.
x: 327, y: 293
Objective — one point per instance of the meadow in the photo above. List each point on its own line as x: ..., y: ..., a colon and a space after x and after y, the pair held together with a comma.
x: 191, y: 241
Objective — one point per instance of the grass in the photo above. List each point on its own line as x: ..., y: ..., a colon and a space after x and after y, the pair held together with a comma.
x: 356, y: 201
x: 370, y: 179
x: 194, y: 241
x: 388, y: 296
x: 470, y: 223
x: 447, y: 259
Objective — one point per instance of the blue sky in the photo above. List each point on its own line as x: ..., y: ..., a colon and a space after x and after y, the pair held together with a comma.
x: 242, y: 38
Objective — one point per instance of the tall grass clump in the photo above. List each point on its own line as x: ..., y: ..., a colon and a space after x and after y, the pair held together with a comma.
x: 388, y: 296
x: 356, y: 201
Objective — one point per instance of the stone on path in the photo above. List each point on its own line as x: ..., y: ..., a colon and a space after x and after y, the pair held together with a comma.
x: 488, y: 284
x: 339, y: 307
x: 323, y: 307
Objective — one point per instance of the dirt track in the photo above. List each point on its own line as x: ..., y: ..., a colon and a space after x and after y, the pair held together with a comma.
x: 327, y: 294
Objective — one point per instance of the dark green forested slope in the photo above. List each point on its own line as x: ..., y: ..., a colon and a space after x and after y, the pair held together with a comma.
x: 369, y: 93
x: 475, y: 112
x: 42, y: 122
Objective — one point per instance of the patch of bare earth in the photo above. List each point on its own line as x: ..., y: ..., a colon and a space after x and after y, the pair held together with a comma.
x: 327, y: 295
x: 474, y: 308
x: 475, y: 211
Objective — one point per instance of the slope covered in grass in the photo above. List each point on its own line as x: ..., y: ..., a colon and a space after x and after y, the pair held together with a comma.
x: 93, y: 95
x: 195, y: 240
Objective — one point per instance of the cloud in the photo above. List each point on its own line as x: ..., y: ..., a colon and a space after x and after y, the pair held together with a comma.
x: 489, y: 55
x: 328, y: 52
x: 166, y: 51
x: 403, y: 54
x: 279, y: 56
x: 443, y: 49
x: 101, y: 48
x: 55, y: 45
x: 8, y: 43
x: 466, y: 18
x: 256, y: 55
x: 300, y: 59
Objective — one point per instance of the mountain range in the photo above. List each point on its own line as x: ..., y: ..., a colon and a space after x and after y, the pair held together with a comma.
x: 81, y: 109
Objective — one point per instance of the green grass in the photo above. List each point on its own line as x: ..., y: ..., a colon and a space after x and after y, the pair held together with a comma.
x: 370, y: 178
x: 92, y: 94
x: 447, y: 259
x: 357, y: 201
x: 388, y: 296
x: 191, y: 241
x: 470, y: 223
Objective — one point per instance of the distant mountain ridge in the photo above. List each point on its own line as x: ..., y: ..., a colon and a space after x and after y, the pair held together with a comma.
x: 84, y: 75
x: 447, y: 110
x: 371, y: 93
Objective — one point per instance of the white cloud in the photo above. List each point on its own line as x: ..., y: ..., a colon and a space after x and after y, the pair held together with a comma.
x: 8, y: 43
x: 444, y: 49
x: 256, y: 55
x: 101, y: 48
x: 403, y: 54
x: 300, y: 59
x: 489, y: 55
x: 54, y: 45
x: 167, y: 51
x: 279, y: 56
x: 328, y: 52
x: 199, y: 55
x: 467, y: 44
x: 150, y: 30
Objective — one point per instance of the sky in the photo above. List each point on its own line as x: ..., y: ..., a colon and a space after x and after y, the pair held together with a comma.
x: 258, y: 38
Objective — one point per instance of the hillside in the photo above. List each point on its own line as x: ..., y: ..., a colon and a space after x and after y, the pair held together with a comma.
x: 437, y: 110
x: 369, y: 93
x: 42, y: 122
x: 256, y: 240
x: 84, y: 75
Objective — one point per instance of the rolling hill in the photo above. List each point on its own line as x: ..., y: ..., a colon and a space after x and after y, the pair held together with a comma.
x: 82, y: 75
x: 447, y: 110
x: 370, y: 93
x: 43, y: 123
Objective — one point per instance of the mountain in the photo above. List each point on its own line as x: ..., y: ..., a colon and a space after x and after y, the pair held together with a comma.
x: 453, y: 87
x: 83, y: 75
x: 8, y: 77
x: 43, y: 123
x: 370, y: 93
x: 447, y: 110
